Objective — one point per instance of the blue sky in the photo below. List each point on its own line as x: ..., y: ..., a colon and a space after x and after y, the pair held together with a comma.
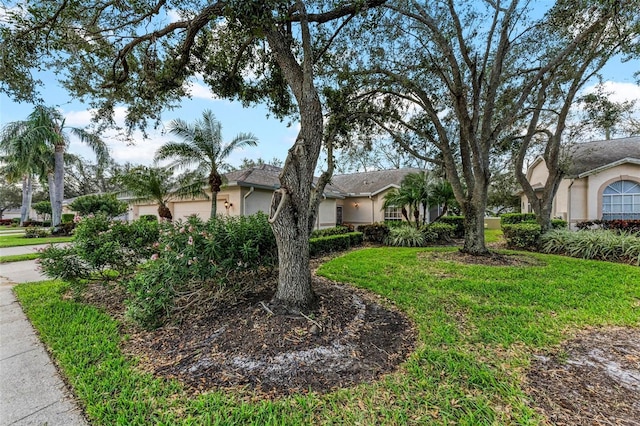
x: 275, y: 137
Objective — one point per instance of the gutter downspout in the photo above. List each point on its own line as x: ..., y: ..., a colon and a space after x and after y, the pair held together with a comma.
x: 244, y: 201
x: 373, y: 213
x: 569, y: 202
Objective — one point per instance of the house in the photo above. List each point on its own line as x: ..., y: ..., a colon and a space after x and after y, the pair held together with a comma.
x: 602, y: 182
x: 355, y: 198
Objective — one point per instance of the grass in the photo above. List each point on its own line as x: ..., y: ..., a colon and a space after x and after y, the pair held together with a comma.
x: 19, y: 257
x: 492, y: 235
x: 477, y: 327
x: 19, y: 240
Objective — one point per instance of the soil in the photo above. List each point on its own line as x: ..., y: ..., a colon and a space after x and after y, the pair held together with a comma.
x: 352, y: 337
x: 593, y: 379
x: 356, y: 337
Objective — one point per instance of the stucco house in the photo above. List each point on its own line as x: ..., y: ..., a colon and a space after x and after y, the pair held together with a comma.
x: 602, y: 182
x: 355, y: 198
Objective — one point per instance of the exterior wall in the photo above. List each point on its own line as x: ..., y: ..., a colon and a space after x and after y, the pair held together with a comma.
x: 327, y: 214
x: 258, y: 200
x: 538, y: 175
x: 561, y: 201
x: 143, y: 210
x: 181, y: 209
x: 358, y: 210
x: 598, y: 182
x: 577, y: 201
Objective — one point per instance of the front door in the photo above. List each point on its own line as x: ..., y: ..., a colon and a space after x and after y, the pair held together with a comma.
x: 339, y: 215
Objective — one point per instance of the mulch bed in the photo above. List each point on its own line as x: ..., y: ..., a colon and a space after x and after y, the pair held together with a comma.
x: 593, y: 379
x: 352, y: 337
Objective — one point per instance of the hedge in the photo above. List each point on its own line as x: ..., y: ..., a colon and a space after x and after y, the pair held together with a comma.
x: 375, y: 232
x: 524, y: 235
x: 457, y: 222
x: 332, y: 243
x: 618, y: 225
x: 512, y: 218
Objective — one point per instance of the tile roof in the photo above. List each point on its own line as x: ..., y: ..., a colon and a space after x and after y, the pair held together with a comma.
x: 363, y: 183
x: 367, y: 183
x: 589, y: 156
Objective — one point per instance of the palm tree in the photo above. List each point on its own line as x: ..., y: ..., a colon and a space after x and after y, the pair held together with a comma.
x: 158, y: 185
x: 413, y: 193
x: 45, y: 127
x: 23, y: 159
x: 203, y: 148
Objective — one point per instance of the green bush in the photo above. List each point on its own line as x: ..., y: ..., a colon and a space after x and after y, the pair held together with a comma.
x: 457, y: 222
x: 513, y: 218
x: 523, y: 235
x: 35, y: 232
x: 106, y: 204
x: 559, y: 224
x: 67, y: 217
x: 337, y: 230
x: 439, y: 232
x: 599, y: 244
x: 332, y: 243
x: 405, y: 236
x: 375, y: 232
x: 102, y: 250
x: 199, y: 254
x: 149, y: 217
x: 43, y: 208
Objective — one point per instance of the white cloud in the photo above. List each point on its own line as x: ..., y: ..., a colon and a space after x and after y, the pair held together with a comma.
x: 619, y: 92
x: 198, y: 90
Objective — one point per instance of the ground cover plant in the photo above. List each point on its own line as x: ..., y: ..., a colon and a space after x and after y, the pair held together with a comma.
x: 478, y: 325
x: 602, y: 244
x: 17, y: 240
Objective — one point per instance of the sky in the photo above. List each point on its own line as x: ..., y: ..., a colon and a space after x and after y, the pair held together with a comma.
x: 274, y: 137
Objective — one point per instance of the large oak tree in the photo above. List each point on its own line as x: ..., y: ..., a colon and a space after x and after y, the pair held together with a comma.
x: 463, y: 75
x: 144, y: 53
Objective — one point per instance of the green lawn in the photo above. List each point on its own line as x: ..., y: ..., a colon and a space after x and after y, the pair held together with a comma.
x: 19, y: 257
x: 477, y: 327
x: 20, y: 240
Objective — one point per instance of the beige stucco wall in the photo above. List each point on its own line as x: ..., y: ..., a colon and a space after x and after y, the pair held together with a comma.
x: 258, y: 200
x: 580, y: 199
x: 327, y: 214
x: 599, y: 181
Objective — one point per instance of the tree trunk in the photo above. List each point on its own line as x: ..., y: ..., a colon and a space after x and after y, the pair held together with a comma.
x: 214, y: 205
x: 27, y: 192
x: 56, y: 202
x: 474, y: 228
x: 215, y: 184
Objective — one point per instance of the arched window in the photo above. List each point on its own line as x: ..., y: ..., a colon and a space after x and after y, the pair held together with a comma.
x: 621, y: 200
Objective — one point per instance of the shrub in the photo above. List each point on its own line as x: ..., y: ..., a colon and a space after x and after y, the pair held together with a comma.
x: 102, y: 250
x: 457, y: 222
x: 67, y: 217
x: 106, y: 204
x: 439, y: 232
x: 332, y: 243
x: 149, y: 217
x: 65, y: 264
x: 629, y: 226
x: 64, y: 229
x: 196, y: 254
x: 337, y: 230
x: 6, y: 222
x: 600, y: 244
x: 28, y: 223
x: 405, y: 236
x: 513, y: 218
x: 523, y: 235
x: 43, y: 208
x: 559, y: 224
x: 35, y: 232
x: 375, y: 232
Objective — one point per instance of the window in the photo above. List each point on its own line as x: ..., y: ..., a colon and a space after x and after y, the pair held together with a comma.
x: 621, y: 200
x: 393, y: 213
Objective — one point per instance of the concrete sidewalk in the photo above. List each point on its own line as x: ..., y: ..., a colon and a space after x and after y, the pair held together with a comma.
x: 31, y: 390
x: 11, y: 251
